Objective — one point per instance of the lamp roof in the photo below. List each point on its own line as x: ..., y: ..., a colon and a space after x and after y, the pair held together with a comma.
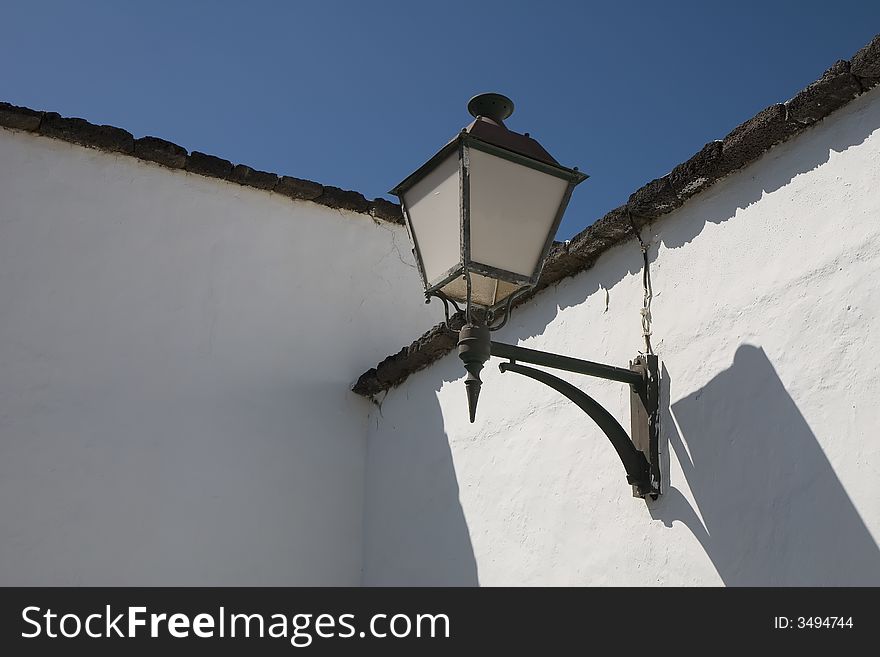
x: 497, y: 134
x: 489, y: 129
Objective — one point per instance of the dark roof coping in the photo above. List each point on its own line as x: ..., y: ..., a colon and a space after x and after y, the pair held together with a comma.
x: 840, y: 84
x: 152, y: 149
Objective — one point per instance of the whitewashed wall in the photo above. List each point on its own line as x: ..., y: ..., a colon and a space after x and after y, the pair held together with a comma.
x: 176, y: 354
x: 766, y: 308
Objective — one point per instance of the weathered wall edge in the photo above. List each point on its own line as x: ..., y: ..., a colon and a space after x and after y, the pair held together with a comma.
x: 152, y: 149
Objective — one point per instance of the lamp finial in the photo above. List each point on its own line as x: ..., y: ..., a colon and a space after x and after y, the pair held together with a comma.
x: 496, y: 107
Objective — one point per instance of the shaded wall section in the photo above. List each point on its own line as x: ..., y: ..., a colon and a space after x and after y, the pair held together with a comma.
x: 176, y: 356
x: 415, y: 531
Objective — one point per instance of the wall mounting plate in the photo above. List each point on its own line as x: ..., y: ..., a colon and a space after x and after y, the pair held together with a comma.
x: 645, y: 411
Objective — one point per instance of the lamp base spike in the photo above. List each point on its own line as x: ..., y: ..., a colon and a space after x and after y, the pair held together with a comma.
x: 474, y: 349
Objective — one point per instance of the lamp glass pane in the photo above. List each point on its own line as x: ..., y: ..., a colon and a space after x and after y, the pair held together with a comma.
x: 434, y: 209
x: 485, y: 291
x: 512, y: 208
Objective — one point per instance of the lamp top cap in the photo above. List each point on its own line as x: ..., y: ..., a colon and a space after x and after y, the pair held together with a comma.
x: 493, y: 106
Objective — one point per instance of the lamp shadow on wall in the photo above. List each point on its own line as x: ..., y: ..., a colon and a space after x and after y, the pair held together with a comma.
x: 774, y: 513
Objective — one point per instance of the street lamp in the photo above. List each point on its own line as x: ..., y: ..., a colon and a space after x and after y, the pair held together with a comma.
x: 483, y: 211
x: 482, y: 214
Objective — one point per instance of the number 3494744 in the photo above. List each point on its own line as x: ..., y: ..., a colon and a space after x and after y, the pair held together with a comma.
x: 813, y: 622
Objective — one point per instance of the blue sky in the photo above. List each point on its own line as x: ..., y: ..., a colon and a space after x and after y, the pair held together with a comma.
x: 357, y: 94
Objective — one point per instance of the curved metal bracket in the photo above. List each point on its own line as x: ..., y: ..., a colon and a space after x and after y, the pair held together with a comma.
x: 638, y: 470
x: 640, y: 454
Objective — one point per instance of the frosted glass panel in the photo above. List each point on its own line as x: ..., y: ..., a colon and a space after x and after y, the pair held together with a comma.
x: 485, y: 291
x: 435, y: 214
x: 512, y: 210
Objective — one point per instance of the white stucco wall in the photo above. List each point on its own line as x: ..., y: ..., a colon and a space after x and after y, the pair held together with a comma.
x: 176, y: 354
x: 766, y: 307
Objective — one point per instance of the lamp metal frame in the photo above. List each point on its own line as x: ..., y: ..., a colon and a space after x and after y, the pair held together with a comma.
x: 466, y: 265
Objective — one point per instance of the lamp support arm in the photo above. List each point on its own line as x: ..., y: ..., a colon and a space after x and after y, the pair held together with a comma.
x: 557, y: 362
x: 639, y: 453
x: 638, y: 470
